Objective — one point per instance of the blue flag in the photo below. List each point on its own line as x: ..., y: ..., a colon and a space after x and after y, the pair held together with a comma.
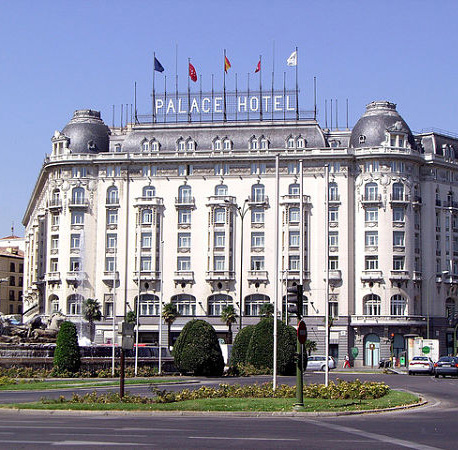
x: 157, y: 65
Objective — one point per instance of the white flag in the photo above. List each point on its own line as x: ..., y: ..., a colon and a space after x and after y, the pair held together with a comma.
x: 292, y: 60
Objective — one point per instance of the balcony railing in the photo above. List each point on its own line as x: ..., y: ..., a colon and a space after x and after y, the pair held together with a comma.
x: 295, y: 198
x: 220, y: 275
x: 292, y: 274
x: 335, y: 275
x: 258, y: 200
x: 258, y: 275
x: 371, y: 275
x: 400, y: 198
x: 358, y: 320
x: 147, y: 275
x: 400, y: 275
x: 76, y: 275
x: 183, y: 275
x: 149, y: 201
x: 372, y: 198
x: 222, y: 200
x: 185, y: 201
x: 55, y: 204
x: 78, y: 203
x: 53, y: 277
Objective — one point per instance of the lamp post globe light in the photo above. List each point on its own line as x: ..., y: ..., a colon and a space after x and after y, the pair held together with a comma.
x: 429, y: 293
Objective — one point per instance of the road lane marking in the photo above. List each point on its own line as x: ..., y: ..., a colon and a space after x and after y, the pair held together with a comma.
x: 131, y: 444
x: 222, y: 438
x: 374, y: 436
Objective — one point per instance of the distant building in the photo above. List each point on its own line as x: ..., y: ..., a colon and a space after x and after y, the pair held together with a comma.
x: 13, y: 241
x: 156, y: 209
x: 11, y: 280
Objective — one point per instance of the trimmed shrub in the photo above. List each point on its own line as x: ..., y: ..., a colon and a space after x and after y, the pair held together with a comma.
x: 197, y: 350
x: 240, y: 347
x: 260, y: 349
x: 67, y: 353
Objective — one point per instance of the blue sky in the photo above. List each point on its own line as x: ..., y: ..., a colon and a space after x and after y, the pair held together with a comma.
x: 59, y: 56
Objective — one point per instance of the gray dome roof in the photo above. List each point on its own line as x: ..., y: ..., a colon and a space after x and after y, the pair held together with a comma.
x: 87, y: 132
x: 380, y: 116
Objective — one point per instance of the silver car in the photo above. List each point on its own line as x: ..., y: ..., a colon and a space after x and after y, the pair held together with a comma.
x: 318, y: 362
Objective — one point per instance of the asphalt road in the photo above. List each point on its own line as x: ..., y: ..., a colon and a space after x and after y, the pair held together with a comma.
x: 432, y: 426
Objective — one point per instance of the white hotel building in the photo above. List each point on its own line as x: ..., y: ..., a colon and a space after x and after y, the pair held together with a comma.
x: 158, y: 207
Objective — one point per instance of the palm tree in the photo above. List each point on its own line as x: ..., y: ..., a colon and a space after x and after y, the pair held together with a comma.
x: 310, y: 346
x: 229, y: 316
x: 169, y: 314
x: 266, y: 310
x: 91, y: 313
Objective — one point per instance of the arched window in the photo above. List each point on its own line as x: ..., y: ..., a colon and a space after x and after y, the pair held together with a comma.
x: 333, y: 192
x: 74, y: 304
x: 55, y: 197
x: 220, y: 215
x: 147, y: 216
x: 398, y: 191
x: 290, y: 142
x: 398, y: 305
x: 185, y: 303
x: 253, y: 143
x: 217, y: 144
x: 450, y: 308
x: 294, y: 215
x: 294, y: 189
x: 149, y: 191
x: 117, y: 148
x: 227, y: 144
x: 181, y: 145
x: 264, y: 144
x: 372, y: 305
x: 145, y: 146
x: 217, y: 302
x: 154, y: 146
x: 221, y: 190
x: 78, y: 196
x: 112, y: 195
x: 258, y: 193
x: 254, y: 302
x: 301, y: 142
x: 371, y: 192
x: 53, y: 303
x: 149, y: 304
x: 184, y: 194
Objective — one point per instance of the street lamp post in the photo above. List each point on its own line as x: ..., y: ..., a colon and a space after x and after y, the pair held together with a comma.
x: 242, y: 210
x: 428, y: 296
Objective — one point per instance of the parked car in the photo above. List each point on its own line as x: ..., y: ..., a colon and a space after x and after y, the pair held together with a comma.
x: 384, y: 363
x: 318, y: 362
x: 446, y: 365
x: 421, y: 364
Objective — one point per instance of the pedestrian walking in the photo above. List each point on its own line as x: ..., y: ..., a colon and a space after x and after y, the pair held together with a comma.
x: 347, y: 362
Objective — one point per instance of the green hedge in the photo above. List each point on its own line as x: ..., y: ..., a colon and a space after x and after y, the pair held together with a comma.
x: 240, y: 347
x: 260, y: 349
x: 67, y: 353
x: 197, y: 350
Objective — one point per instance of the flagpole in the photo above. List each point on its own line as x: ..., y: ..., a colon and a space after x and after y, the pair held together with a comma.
x: 165, y: 97
x: 176, y: 82
x: 284, y: 95
x: 200, y: 99
x: 135, y: 102
x: 273, y: 71
x: 260, y: 88
x: 297, y: 89
x: 236, y: 97
x: 248, y: 97
x: 314, y: 98
x: 224, y: 86
x: 189, y: 87
x: 154, y: 95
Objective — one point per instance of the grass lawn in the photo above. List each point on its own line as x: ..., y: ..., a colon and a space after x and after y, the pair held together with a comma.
x: 394, y: 398
x: 38, y: 385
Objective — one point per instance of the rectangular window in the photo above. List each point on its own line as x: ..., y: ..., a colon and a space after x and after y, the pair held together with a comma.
x: 398, y: 214
x: 371, y: 215
x: 184, y: 240
x: 371, y: 239
x: 220, y: 239
x: 55, y: 219
x: 293, y: 262
x: 183, y: 263
x: 184, y: 216
x: 220, y: 215
x: 294, y: 239
x: 184, y: 170
x: 77, y: 217
x: 371, y: 263
x: 257, y: 263
x: 219, y: 263
x: 111, y: 240
x: 117, y: 171
x: 75, y: 241
x: 398, y: 238
x: 257, y: 216
x: 54, y: 242
x: 145, y: 264
x: 110, y: 171
x: 333, y: 214
x: 292, y: 168
x: 257, y: 239
x: 112, y: 217
x: 75, y: 265
x: 294, y: 215
x: 109, y: 264
x: 54, y: 266
x: 333, y: 263
x: 333, y: 239
x: 146, y: 240
x: 398, y: 263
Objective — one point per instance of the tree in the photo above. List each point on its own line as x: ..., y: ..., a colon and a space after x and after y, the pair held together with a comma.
x: 131, y: 317
x: 229, y: 316
x: 92, y: 312
x: 266, y: 310
x: 310, y: 346
x: 197, y: 350
x: 170, y: 314
x: 240, y: 347
x: 67, y: 353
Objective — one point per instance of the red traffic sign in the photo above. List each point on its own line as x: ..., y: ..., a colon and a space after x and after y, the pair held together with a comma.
x: 301, y: 332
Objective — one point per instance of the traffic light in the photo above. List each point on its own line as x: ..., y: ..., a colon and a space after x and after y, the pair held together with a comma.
x: 294, y: 299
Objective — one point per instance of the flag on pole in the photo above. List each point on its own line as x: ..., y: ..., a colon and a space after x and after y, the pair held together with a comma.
x: 292, y: 60
x: 227, y: 64
x: 192, y: 73
x: 158, y: 66
x: 258, y: 67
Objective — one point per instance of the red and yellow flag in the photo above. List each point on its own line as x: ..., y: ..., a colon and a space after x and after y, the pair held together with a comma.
x: 227, y: 64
